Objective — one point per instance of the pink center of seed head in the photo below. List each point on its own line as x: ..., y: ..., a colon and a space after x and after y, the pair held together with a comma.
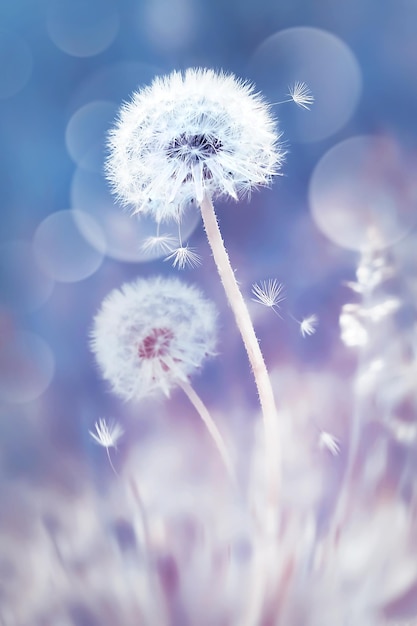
x: 156, y: 343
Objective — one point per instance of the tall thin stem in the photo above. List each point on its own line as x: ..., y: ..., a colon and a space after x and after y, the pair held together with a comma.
x: 203, y: 412
x: 247, y: 332
x: 110, y: 461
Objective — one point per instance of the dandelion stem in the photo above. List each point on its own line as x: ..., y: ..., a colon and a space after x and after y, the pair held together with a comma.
x: 250, y: 340
x: 110, y: 461
x: 203, y: 412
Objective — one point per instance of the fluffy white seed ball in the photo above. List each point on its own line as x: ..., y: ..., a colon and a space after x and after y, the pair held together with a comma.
x: 152, y: 333
x: 189, y: 134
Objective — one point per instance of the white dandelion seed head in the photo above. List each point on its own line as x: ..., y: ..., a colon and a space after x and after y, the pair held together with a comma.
x: 107, y: 433
x: 152, y: 333
x: 188, y: 134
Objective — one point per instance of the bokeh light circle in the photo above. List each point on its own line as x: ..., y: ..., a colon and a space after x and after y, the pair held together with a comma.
x: 82, y: 28
x: 25, y: 287
x: 124, y: 234
x: 85, y: 136
x: 63, y: 252
x: 114, y: 82
x: 321, y: 60
x: 27, y: 367
x: 364, y: 192
x: 170, y: 24
x: 15, y: 64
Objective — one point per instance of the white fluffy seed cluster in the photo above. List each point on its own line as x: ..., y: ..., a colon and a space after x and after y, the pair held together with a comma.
x: 188, y: 134
x: 152, y: 333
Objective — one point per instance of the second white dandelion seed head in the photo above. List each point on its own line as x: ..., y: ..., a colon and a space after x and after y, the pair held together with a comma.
x: 152, y: 333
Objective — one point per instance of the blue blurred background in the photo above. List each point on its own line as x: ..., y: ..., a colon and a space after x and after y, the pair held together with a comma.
x: 65, y: 68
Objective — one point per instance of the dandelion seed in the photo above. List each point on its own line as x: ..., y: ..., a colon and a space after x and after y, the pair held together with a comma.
x: 269, y: 293
x: 308, y: 325
x: 107, y: 435
x: 184, y: 256
x: 301, y: 95
x: 188, y: 134
x: 152, y: 333
x: 330, y: 442
x: 163, y: 243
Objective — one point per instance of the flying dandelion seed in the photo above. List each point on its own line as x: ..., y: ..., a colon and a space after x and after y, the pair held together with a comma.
x: 308, y: 325
x: 300, y: 94
x: 269, y: 293
x: 107, y: 435
x: 183, y: 256
x: 162, y: 243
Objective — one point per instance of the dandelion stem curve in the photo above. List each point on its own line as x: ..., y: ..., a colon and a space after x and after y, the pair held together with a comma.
x: 111, y: 462
x: 244, y: 323
x: 203, y: 412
